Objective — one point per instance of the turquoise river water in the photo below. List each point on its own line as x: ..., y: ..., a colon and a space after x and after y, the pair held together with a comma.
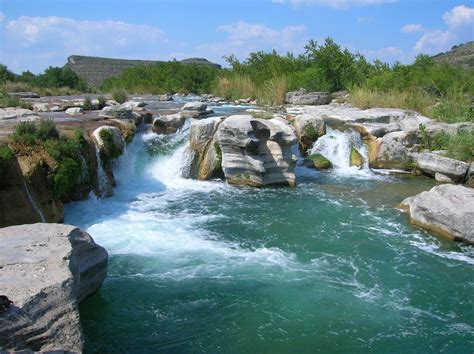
x: 328, y: 266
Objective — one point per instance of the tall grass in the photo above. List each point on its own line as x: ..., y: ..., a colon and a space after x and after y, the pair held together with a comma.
x: 413, y: 99
x: 271, y: 92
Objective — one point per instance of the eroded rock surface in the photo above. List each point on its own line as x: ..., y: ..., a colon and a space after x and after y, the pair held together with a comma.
x: 256, y: 152
x: 46, y: 270
x: 447, y: 210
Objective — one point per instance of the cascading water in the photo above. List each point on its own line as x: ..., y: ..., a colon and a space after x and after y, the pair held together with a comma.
x: 202, y: 264
x: 103, y: 184
x: 336, y: 146
x: 33, y: 203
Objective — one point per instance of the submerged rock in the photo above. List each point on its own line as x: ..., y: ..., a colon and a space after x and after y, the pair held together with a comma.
x: 318, y: 161
x: 46, y: 270
x: 356, y: 159
x: 447, y: 210
x: 256, y: 152
x: 308, y: 98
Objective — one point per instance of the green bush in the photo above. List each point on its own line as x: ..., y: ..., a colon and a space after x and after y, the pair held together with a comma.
x: 109, y: 150
x: 66, y: 176
x: 102, y: 100
x: 87, y: 105
x: 458, y: 146
x: 31, y: 132
x: 119, y: 95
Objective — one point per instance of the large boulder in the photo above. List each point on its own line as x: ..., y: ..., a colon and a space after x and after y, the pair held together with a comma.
x: 308, y: 129
x: 109, y: 141
x: 207, y: 157
x: 447, y: 210
x: 432, y: 163
x: 46, y: 270
x: 74, y: 110
x: 302, y: 97
x: 256, y: 152
x: 117, y: 111
x: 195, y: 106
x: 168, y: 124
x: 394, y: 150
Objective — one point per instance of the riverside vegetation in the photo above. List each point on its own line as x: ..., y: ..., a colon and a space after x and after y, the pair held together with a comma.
x: 435, y: 89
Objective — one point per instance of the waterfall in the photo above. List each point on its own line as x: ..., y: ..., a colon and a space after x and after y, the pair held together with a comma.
x: 33, y: 203
x: 336, y: 146
x: 103, y: 184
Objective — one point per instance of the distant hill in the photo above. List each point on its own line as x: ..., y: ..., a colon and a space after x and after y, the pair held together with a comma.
x: 95, y: 70
x: 459, y: 55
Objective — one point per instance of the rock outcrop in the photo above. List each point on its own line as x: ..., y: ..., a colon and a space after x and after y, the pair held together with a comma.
x: 308, y: 129
x: 168, y: 124
x: 256, y: 152
x: 433, y: 164
x: 46, y: 270
x: 207, y: 159
x: 302, y: 97
x: 447, y: 210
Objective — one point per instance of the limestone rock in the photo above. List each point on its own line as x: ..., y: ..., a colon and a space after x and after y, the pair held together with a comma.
x: 109, y: 140
x: 47, y: 269
x: 195, y: 106
x: 207, y: 155
x: 133, y: 104
x: 308, y: 129
x: 116, y: 111
x: 446, y: 209
x: 168, y: 124
x: 432, y: 163
x: 394, y: 150
x: 443, y: 178
x: 302, y: 97
x: 74, y: 110
x: 256, y: 152
x: 14, y: 113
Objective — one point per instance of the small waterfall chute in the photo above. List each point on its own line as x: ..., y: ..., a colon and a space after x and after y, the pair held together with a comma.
x: 103, y: 183
x: 340, y: 147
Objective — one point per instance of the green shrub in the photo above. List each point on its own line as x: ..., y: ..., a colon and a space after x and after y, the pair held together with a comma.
x: 459, y: 146
x: 454, y: 107
x: 46, y: 129
x: 109, y: 150
x: 119, y: 95
x: 66, y: 176
x: 25, y: 132
x: 87, y: 105
x: 102, y: 100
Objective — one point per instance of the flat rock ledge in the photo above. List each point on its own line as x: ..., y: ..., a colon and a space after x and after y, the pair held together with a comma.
x: 447, y: 210
x: 46, y: 270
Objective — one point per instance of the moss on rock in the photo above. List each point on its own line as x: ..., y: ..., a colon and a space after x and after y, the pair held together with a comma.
x: 319, y: 161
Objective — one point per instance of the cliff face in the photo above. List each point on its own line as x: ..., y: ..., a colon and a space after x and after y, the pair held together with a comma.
x: 95, y: 70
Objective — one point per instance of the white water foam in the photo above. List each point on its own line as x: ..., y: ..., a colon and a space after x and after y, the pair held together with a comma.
x: 148, y: 216
x: 336, y: 146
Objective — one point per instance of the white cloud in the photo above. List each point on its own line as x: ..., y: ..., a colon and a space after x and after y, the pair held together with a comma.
x: 243, y: 38
x: 434, y: 42
x: 459, y: 22
x: 412, y: 28
x: 36, y: 42
x: 459, y: 16
x: 340, y: 4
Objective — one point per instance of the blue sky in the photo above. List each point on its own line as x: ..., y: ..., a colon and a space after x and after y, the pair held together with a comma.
x: 37, y: 33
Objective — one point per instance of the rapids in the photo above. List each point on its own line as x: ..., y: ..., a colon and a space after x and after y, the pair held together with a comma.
x: 330, y: 266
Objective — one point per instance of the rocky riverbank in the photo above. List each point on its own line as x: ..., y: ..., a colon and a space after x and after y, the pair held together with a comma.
x: 46, y: 270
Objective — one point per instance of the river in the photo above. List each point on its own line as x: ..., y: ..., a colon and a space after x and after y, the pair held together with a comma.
x: 328, y: 266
